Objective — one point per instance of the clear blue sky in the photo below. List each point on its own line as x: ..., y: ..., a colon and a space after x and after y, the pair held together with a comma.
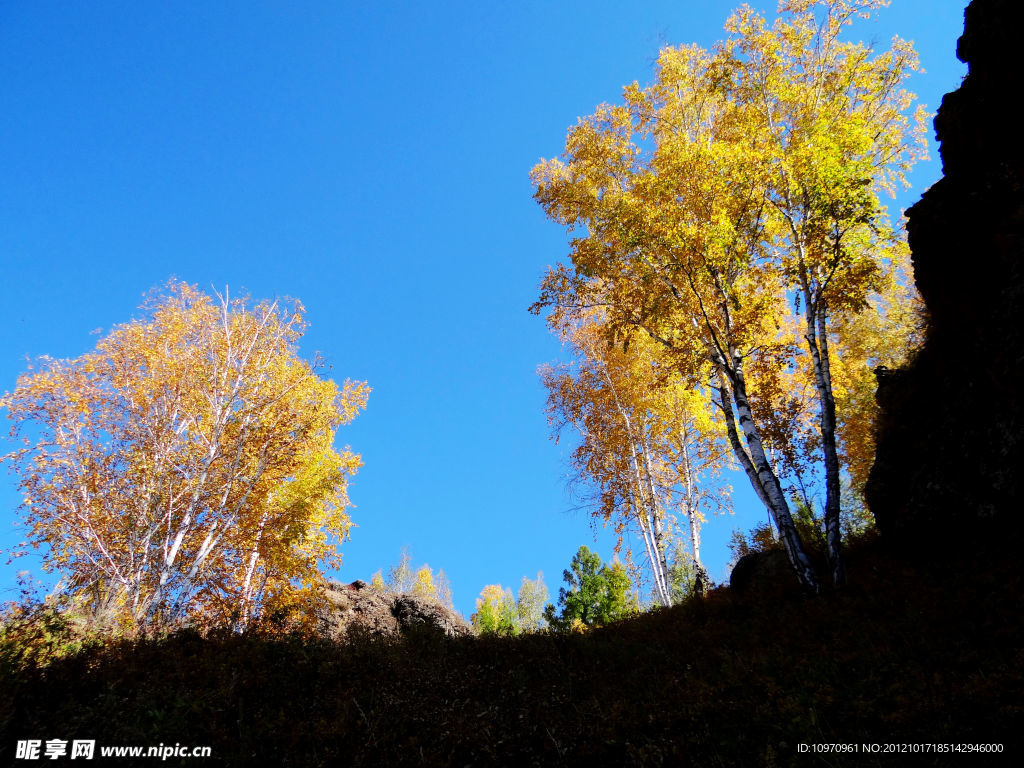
x: 370, y: 159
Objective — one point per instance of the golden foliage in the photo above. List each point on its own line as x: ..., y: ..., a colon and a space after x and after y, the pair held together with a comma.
x: 651, y: 445
x: 186, y: 465
x: 731, y: 212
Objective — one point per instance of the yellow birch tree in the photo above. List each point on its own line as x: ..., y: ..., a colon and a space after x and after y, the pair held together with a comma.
x: 186, y: 466
x: 730, y: 211
x: 651, y: 447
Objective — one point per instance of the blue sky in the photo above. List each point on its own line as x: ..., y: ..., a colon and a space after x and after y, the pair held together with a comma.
x: 372, y: 160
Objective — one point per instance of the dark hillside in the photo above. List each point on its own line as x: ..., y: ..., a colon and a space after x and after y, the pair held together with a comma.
x: 905, y: 656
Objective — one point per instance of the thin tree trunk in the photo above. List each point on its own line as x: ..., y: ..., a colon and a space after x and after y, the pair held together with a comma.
x: 648, y: 509
x: 657, y: 522
x: 817, y: 343
x: 690, y: 500
x: 647, y: 517
x: 762, y: 477
x: 650, y: 547
x: 248, y: 588
x: 833, y: 532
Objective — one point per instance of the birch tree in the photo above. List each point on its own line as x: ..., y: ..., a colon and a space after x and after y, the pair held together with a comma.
x: 530, y: 599
x: 835, y: 134
x: 186, y: 466
x: 401, y: 576
x: 717, y: 205
x: 496, y: 612
x: 422, y: 582
x: 651, y: 449
x: 500, y: 612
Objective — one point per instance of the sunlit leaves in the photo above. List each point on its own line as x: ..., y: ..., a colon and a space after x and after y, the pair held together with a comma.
x: 422, y: 582
x: 595, y: 593
x: 533, y: 593
x: 500, y: 612
x: 186, y: 465
x: 732, y: 212
x: 496, y: 612
x: 651, y: 446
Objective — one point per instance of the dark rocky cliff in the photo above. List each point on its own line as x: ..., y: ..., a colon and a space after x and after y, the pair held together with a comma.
x: 949, y: 468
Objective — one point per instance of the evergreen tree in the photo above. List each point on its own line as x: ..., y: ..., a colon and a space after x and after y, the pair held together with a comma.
x: 597, y: 593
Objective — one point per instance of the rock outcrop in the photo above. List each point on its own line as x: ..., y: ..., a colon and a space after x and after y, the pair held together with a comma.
x: 762, y: 572
x: 949, y: 469
x: 359, y: 607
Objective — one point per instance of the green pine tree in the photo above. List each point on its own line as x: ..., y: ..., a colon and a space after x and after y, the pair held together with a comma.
x: 597, y: 593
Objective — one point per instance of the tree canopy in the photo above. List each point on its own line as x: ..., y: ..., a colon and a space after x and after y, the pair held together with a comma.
x: 499, y: 612
x: 422, y: 582
x: 595, y: 593
x: 731, y: 212
x: 186, y: 466
x: 651, y: 447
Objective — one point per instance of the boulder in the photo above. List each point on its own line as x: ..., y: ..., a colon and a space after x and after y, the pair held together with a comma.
x: 411, y: 612
x: 767, y: 571
x: 360, y: 607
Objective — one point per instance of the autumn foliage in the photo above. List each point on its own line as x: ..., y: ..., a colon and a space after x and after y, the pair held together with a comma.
x: 186, y: 466
x: 732, y: 212
x: 651, y: 446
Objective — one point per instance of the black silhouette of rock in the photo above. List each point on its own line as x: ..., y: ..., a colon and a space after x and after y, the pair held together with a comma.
x: 359, y: 607
x: 949, y: 468
x: 766, y: 571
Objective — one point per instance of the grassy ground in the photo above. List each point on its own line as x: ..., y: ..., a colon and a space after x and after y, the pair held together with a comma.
x: 904, y: 655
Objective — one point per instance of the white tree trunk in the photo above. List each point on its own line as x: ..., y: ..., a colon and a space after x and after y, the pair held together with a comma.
x: 816, y: 336
x: 759, y: 471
